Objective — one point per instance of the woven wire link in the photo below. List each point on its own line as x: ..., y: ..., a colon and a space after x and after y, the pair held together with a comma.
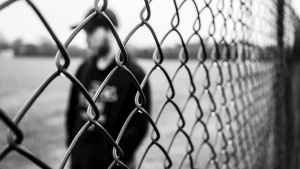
x: 234, y: 102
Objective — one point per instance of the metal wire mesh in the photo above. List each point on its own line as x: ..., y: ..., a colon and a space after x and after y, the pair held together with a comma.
x: 228, y: 117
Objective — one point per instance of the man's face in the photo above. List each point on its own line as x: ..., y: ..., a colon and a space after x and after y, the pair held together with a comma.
x: 98, y: 42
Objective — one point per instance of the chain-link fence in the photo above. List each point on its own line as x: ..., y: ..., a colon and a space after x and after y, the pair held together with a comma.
x: 238, y: 106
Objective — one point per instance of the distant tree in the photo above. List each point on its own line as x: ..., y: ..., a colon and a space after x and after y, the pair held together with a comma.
x: 46, y: 47
x: 30, y: 50
x: 76, y: 51
x: 3, y: 43
x: 17, y: 46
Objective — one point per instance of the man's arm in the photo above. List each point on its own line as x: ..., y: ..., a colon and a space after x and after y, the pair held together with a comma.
x: 72, y: 105
x: 138, y: 125
x: 70, y: 115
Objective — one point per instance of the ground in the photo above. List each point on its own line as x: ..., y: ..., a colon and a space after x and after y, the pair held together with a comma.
x: 43, y: 125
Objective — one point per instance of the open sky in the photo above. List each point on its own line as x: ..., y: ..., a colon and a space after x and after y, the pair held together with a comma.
x: 19, y: 20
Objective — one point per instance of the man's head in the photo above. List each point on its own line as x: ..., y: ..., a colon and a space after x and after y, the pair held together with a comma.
x: 99, y: 36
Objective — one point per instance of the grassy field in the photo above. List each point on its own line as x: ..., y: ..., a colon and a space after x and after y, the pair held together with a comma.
x: 43, y: 125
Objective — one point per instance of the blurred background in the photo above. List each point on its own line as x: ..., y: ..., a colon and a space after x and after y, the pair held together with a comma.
x: 22, y: 33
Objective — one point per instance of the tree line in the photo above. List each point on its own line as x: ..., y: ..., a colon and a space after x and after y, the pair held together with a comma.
x: 43, y: 49
x: 47, y: 48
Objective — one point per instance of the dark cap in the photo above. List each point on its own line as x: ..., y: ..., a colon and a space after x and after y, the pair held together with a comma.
x: 98, y: 21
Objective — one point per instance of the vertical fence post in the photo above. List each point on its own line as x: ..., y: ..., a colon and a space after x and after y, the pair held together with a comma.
x: 296, y: 92
x: 293, y: 97
x: 287, y: 122
x: 278, y: 89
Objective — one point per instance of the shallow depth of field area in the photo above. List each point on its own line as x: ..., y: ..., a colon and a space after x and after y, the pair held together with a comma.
x: 44, y: 127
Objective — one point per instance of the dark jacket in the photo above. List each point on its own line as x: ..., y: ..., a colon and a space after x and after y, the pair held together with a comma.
x: 116, y: 102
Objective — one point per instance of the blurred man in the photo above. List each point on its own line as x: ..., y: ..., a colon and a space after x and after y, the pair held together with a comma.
x: 115, y: 103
